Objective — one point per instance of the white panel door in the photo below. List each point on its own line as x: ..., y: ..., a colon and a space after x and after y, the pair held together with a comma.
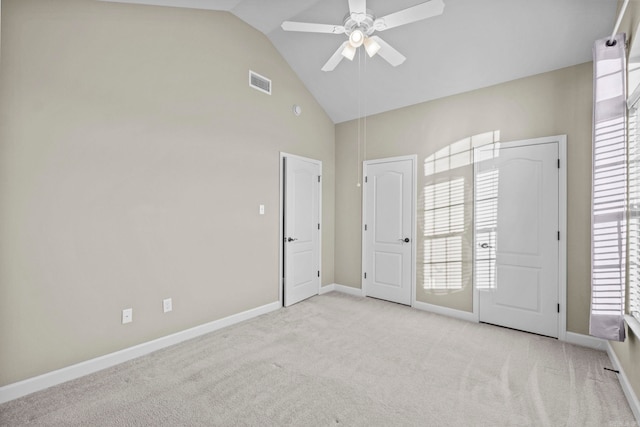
x: 389, y: 252
x: 521, y: 251
x: 301, y: 229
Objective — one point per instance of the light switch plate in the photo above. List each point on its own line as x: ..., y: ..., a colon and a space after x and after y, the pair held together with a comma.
x: 127, y: 315
x: 261, y: 209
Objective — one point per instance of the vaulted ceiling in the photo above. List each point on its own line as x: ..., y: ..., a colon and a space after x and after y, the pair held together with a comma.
x: 473, y: 44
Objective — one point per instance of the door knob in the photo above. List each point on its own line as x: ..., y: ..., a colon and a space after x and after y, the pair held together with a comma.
x: 291, y: 239
x: 485, y: 246
x: 406, y: 240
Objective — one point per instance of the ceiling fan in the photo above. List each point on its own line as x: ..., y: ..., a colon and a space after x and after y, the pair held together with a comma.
x: 360, y: 24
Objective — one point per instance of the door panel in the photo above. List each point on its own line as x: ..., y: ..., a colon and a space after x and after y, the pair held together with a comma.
x: 524, y: 292
x: 301, y: 229
x: 388, y: 216
x: 388, y: 195
x: 388, y: 269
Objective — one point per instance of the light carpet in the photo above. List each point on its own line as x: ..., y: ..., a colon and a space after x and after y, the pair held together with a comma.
x: 336, y: 359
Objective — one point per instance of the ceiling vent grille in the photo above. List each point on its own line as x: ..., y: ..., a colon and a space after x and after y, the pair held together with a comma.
x: 259, y: 82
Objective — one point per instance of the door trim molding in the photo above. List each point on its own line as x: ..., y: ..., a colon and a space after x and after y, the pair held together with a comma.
x: 561, y: 140
x: 414, y: 183
x: 284, y: 155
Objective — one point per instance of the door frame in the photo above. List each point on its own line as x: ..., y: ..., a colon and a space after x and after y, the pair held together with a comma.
x: 561, y: 140
x: 281, y: 219
x: 414, y: 183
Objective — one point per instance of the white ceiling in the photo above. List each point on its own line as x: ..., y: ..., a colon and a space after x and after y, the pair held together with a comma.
x: 473, y: 44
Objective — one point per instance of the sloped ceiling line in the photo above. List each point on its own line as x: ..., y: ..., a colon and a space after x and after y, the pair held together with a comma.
x: 473, y: 44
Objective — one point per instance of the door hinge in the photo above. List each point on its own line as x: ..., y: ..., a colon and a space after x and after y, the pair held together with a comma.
x: 558, y: 308
x: 365, y: 275
x: 365, y: 227
x: 558, y: 235
x: 558, y: 163
x: 318, y: 273
x: 366, y: 179
x: 318, y: 226
x: 318, y: 178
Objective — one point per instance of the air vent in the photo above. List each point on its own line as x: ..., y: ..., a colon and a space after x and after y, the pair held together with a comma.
x: 259, y: 82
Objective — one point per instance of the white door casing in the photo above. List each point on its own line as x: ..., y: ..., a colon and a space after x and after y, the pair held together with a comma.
x: 389, y: 229
x: 525, y: 292
x: 301, y: 234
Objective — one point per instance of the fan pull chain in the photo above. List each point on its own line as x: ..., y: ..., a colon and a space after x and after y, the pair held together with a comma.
x: 358, y: 162
x: 364, y: 130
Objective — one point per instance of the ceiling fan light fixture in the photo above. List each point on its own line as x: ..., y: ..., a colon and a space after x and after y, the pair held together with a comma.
x: 371, y: 46
x: 356, y: 38
x: 349, y: 52
x: 360, y: 24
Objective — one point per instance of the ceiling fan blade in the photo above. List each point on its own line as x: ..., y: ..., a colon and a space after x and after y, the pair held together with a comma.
x: 312, y: 28
x: 412, y: 14
x: 335, y: 58
x: 358, y: 6
x: 391, y: 55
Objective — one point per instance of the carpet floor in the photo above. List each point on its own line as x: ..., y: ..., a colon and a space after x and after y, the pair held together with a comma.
x: 336, y: 359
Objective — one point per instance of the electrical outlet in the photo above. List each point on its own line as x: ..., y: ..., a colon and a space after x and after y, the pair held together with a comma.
x: 167, y: 305
x: 127, y: 315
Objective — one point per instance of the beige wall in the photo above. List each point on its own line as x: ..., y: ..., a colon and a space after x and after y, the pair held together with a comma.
x: 133, y: 159
x: 548, y: 104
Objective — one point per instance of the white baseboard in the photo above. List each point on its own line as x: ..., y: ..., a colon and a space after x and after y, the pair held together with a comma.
x: 624, y: 382
x: 31, y: 385
x: 445, y: 311
x: 586, y: 341
x: 327, y: 288
x: 348, y: 290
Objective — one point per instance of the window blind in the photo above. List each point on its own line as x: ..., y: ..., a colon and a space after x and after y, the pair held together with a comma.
x: 609, y: 191
x: 634, y: 213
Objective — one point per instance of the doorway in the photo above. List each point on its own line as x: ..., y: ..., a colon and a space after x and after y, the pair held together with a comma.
x: 388, y: 239
x: 301, y: 191
x: 519, y: 217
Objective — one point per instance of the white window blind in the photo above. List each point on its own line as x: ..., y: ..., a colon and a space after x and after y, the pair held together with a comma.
x: 486, y: 225
x: 448, y: 213
x: 609, y: 192
x: 443, y: 229
x: 634, y: 212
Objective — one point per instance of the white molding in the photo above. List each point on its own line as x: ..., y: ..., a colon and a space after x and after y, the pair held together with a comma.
x: 633, y: 324
x: 561, y: 140
x: 585, y: 341
x: 624, y: 383
x: 446, y: 311
x: 414, y: 218
x: 348, y: 290
x: 562, y: 246
x: 327, y: 288
x: 31, y: 385
x: 284, y: 155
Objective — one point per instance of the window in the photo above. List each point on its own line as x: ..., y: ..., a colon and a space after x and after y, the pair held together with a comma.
x: 609, y: 217
x: 634, y: 213
x: 443, y: 228
x: 448, y: 214
x: 486, y: 225
x: 609, y: 191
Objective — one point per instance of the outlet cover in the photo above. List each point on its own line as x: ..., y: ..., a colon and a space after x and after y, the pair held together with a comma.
x: 127, y: 315
x: 167, y: 305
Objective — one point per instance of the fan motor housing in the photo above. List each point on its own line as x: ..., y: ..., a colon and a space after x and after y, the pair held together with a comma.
x: 353, y: 21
